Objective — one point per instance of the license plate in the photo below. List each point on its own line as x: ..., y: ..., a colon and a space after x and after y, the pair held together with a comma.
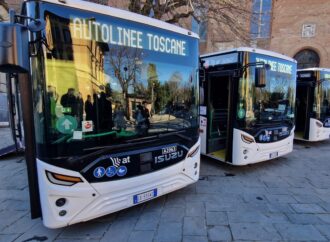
x: 138, y: 198
x: 273, y: 155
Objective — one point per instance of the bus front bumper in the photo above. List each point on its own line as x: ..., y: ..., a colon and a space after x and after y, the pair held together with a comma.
x: 86, y: 201
x: 317, y: 132
x: 244, y: 153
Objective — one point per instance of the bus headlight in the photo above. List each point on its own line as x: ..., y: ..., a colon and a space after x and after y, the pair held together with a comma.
x: 247, y: 139
x: 63, y: 180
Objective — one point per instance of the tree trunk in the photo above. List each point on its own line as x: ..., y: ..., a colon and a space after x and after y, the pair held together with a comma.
x: 126, y: 100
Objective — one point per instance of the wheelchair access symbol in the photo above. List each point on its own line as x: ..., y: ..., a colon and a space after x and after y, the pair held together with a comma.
x: 111, y: 171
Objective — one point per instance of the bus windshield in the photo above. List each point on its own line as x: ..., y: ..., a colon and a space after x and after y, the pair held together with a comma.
x: 102, y: 81
x: 274, y: 103
x: 321, y: 106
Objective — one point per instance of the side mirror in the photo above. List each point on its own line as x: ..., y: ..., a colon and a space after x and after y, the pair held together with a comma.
x: 37, y: 25
x: 260, y: 77
x: 201, y: 75
x: 14, y: 56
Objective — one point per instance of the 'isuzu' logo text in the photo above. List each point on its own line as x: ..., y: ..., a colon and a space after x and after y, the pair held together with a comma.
x: 168, y: 157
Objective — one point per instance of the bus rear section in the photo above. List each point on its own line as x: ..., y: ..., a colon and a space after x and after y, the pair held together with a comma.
x: 247, y: 105
x: 110, y: 103
x: 313, y: 110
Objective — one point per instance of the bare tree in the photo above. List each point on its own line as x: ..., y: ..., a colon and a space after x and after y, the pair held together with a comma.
x: 124, y: 61
x: 231, y: 16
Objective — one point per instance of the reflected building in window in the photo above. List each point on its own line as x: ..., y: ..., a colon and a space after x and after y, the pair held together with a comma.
x: 81, y: 61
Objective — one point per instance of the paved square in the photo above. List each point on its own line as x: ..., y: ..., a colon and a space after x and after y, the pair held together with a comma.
x: 284, y: 199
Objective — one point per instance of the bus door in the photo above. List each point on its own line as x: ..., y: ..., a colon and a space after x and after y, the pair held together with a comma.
x: 305, y: 91
x: 10, y: 116
x: 218, y: 110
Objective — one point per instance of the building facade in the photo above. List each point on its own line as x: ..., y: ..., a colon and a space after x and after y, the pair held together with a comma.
x: 301, y: 29
x: 296, y: 28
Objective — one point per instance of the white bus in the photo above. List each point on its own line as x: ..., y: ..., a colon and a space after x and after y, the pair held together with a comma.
x: 313, y: 104
x: 247, y: 105
x: 110, y: 107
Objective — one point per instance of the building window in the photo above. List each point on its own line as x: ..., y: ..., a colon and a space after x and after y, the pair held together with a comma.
x: 307, y: 58
x: 199, y: 28
x: 261, y: 18
x: 308, y: 30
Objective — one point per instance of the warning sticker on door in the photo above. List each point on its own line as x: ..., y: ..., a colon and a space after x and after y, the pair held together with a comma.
x: 87, y: 126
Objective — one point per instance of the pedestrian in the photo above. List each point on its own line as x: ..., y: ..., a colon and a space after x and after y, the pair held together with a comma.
x: 80, y: 109
x: 89, y: 108
x: 69, y: 102
x: 146, y: 114
x: 119, y: 116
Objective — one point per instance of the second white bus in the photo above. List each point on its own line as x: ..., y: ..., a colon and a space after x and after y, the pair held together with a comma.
x: 247, y: 105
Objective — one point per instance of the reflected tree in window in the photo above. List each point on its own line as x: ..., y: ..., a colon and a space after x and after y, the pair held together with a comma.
x: 124, y: 62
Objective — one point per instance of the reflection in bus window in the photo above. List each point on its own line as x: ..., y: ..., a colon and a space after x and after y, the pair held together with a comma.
x: 321, y: 108
x: 272, y: 103
x: 107, y: 93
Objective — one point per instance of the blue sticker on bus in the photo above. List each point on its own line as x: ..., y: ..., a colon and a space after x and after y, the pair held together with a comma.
x: 99, y: 172
x: 122, y: 171
x: 111, y: 171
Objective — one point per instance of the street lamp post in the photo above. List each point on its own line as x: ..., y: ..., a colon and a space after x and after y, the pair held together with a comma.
x: 152, y: 97
x: 125, y: 91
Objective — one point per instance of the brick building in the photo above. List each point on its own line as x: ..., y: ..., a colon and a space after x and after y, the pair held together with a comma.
x: 301, y: 29
x: 297, y: 28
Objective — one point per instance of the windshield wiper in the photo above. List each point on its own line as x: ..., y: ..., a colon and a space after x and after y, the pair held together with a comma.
x: 176, y: 133
x: 161, y: 135
x: 128, y: 143
x: 101, y: 149
x: 271, y: 122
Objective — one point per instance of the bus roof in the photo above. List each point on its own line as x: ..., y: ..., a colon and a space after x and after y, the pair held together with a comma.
x: 119, y: 13
x: 254, y: 50
x: 315, y: 69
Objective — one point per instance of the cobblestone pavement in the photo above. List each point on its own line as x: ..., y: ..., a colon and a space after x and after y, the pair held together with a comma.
x: 284, y: 199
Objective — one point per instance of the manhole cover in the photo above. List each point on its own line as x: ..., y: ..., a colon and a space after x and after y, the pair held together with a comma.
x: 202, y: 178
x: 229, y: 174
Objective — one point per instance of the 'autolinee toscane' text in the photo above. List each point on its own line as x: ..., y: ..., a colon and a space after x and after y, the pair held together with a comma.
x: 122, y: 36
